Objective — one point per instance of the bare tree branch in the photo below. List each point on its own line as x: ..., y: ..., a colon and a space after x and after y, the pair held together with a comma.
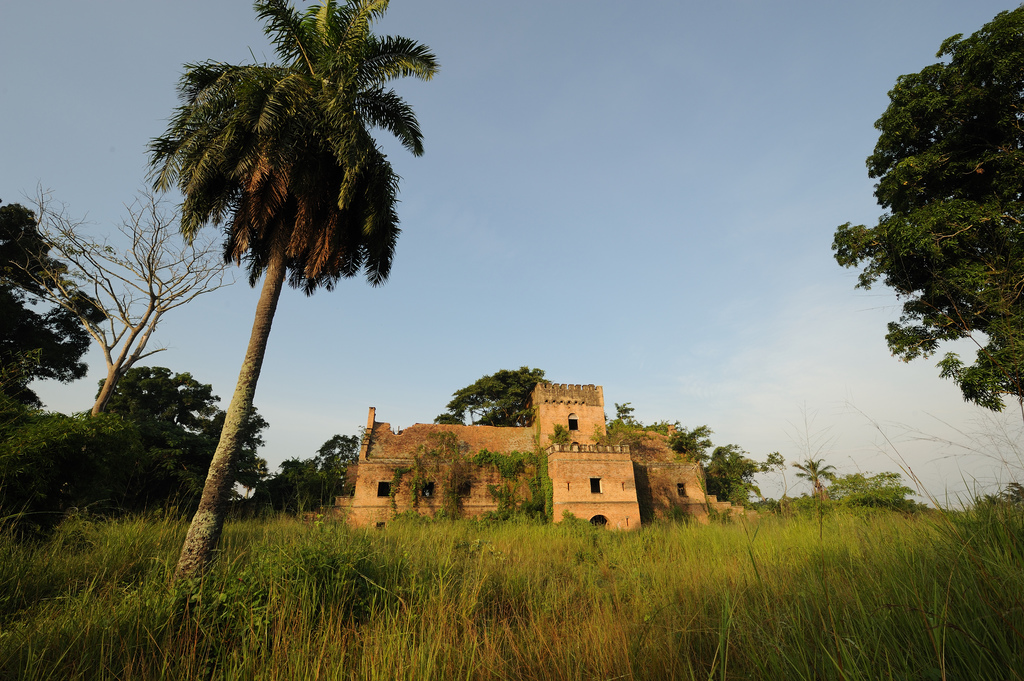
x: 120, y: 287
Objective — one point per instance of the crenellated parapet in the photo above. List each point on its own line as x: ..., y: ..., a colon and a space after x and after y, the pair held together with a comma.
x: 568, y: 393
x: 588, y: 449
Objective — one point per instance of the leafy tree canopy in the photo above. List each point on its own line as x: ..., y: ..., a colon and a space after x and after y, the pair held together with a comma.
x: 730, y: 474
x: 303, y: 484
x: 179, y: 425
x: 883, y: 490
x: 692, y: 444
x: 499, y: 399
x: 54, y: 336
x: 950, y: 168
x: 338, y: 453
x: 50, y: 463
x: 1013, y: 493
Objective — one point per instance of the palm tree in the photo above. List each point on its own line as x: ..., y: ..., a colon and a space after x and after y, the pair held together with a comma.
x: 282, y: 154
x: 814, y: 471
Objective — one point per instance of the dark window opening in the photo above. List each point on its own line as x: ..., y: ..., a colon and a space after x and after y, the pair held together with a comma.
x: 464, y: 489
x: 574, y: 423
x: 383, y: 489
x: 681, y: 488
x: 379, y: 525
x: 428, y: 490
x: 599, y: 521
x: 595, y: 485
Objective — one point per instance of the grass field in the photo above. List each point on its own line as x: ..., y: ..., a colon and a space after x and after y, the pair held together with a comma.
x: 849, y: 596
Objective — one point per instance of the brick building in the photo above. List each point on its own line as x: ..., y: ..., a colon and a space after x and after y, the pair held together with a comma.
x: 469, y: 471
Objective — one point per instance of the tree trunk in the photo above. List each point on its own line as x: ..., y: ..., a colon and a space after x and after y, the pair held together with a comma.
x: 204, y: 532
x: 106, y: 392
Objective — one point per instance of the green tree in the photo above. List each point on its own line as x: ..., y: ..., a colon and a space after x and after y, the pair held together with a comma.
x: 624, y: 413
x: 729, y: 475
x: 54, y: 335
x: 950, y: 167
x: 498, y: 399
x: 883, y: 490
x: 303, y: 484
x: 179, y: 425
x: 50, y: 463
x: 816, y: 471
x: 283, y: 154
x: 692, y: 444
x: 1014, y: 493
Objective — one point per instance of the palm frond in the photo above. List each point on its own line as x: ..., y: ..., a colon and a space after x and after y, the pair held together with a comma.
x: 395, y: 57
x: 388, y: 111
x: 287, y: 32
x: 282, y: 154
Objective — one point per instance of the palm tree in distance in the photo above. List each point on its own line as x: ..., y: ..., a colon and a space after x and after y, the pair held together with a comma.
x: 814, y: 471
x: 283, y: 156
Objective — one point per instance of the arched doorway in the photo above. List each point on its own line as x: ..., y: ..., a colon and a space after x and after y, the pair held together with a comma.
x: 598, y: 521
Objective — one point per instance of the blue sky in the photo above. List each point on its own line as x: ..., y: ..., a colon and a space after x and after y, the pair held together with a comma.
x: 637, y: 195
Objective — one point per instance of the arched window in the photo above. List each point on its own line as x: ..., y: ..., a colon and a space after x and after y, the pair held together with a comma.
x: 599, y: 521
x: 574, y: 422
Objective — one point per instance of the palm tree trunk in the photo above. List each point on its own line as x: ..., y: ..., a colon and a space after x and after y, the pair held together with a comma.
x: 204, y: 532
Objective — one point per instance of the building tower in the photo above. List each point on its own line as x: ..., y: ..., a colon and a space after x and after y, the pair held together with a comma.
x: 577, y: 408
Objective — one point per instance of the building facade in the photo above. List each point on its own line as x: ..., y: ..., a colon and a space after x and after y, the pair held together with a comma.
x: 561, y: 463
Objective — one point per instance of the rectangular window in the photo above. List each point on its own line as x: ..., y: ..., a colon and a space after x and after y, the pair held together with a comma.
x: 595, y: 485
x: 428, y: 490
x: 574, y: 424
x: 681, y: 488
x: 383, y: 489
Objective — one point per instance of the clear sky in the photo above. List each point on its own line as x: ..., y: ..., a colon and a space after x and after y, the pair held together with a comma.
x: 635, y: 195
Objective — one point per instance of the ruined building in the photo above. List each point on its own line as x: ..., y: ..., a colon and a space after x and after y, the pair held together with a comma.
x: 559, y: 464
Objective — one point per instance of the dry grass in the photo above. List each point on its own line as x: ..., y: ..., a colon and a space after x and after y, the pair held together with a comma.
x: 866, y: 596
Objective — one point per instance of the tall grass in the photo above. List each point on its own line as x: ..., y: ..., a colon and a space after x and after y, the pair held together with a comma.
x: 866, y: 596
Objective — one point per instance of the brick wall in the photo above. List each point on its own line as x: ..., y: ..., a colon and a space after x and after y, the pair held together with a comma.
x: 613, y: 495
x: 658, y: 486
x: 386, y: 444
x: 367, y: 508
